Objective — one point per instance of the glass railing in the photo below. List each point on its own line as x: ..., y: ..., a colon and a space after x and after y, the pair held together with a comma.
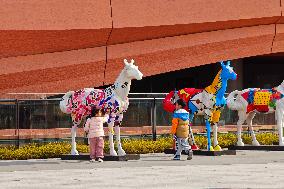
x: 41, y: 119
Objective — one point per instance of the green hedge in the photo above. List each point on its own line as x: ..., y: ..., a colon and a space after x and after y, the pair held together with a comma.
x: 131, y: 146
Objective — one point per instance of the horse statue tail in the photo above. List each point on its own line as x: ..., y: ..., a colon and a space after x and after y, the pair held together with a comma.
x: 64, y: 102
x: 168, y: 103
x: 233, y: 102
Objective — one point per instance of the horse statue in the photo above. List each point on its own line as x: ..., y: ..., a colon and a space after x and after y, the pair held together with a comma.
x: 248, y: 102
x: 114, y: 98
x: 207, y: 102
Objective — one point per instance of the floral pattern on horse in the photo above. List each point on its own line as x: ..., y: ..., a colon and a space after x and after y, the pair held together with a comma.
x: 114, y: 98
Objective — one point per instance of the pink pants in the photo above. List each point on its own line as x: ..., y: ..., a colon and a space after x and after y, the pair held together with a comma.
x: 96, y: 147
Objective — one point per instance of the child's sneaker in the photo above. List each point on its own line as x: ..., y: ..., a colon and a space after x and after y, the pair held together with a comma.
x: 92, y: 160
x: 189, y: 157
x: 100, y: 160
x: 190, y: 154
x: 177, y: 157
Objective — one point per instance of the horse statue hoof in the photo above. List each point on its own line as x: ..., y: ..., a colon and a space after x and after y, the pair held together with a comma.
x: 240, y: 143
x: 74, y: 152
x: 194, y: 147
x: 217, y: 148
x: 255, y: 143
x: 121, y: 152
x: 113, y: 153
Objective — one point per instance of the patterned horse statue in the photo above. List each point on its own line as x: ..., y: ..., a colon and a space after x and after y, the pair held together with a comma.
x: 248, y: 102
x: 114, y: 98
x: 207, y: 102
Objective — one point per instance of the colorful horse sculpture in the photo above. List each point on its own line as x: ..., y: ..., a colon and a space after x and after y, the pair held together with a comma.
x: 251, y: 101
x: 207, y: 102
x: 114, y: 98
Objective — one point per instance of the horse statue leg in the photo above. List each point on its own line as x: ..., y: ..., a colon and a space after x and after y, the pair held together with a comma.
x: 118, y: 121
x: 242, y: 117
x: 111, y: 120
x: 215, y: 119
x: 192, y: 142
x: 73, y: 143
x: 215, y: 135
x: 249, y: 122
x: 279, y: 115
x: 208, y: 129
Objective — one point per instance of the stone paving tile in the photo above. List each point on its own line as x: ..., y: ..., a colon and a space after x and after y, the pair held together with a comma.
x: 248, y: 169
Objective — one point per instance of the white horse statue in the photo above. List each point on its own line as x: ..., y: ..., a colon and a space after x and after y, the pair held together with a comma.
x: 248, y: 102
x: 114, y: 98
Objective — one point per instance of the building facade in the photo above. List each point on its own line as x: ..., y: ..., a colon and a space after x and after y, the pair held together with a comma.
x: 54, y: 46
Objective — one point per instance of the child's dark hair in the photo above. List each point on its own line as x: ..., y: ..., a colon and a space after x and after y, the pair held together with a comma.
x: 94, y: 111
x: 103, y: 110
x: 181, y: 103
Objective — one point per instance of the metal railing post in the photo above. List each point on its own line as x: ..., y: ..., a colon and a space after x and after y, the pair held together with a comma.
x: 18, y: 122
x: 154, y: 121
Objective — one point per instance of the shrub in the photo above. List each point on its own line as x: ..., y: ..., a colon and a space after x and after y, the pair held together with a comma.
x: 131, y: 146
x: 36, y: 151
x: 263, y: 138
x: 142, y: 146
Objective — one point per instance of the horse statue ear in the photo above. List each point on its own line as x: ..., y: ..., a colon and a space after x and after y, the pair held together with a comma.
x: 228, y: 63
x: 222, y: 63
x: 126, y: 62
x: 132, y: 61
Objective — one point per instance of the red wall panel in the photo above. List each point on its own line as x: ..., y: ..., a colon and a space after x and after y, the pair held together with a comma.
x: 54, y: 14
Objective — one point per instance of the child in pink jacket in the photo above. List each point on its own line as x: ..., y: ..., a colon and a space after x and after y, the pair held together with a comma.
x: 94, y: 128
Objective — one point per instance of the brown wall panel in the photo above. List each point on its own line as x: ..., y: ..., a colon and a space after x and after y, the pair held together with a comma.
x: 54, y: 14
x: 135, y: 20
x: 53, y: 72
x: 282, y: 11
x: 136, y: 13
x: 123, y: 35
x: 50, y: 26
x: 23, y: 42
x: 51, y: 60
x: 60, y: 86
x: 37, y: 77
x: 278, y: 45
x: 174, y: 53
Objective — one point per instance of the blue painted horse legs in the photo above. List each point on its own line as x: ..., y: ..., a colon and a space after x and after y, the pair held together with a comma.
x: 208, y: 129
x: 193, y: 145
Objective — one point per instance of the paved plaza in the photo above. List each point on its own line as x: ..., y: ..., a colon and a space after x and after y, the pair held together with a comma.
x: 248, y: 169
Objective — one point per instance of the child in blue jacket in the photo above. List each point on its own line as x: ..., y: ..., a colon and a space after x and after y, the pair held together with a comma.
x: 180, y: 129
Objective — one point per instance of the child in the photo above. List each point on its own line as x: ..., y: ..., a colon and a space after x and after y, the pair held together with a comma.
x: 94, y: 128
x: 180, y: 129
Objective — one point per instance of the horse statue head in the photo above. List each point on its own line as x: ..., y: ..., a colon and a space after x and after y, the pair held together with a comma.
x: 280, y: 88
x: 131, y: 71
x: 227, y: 71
